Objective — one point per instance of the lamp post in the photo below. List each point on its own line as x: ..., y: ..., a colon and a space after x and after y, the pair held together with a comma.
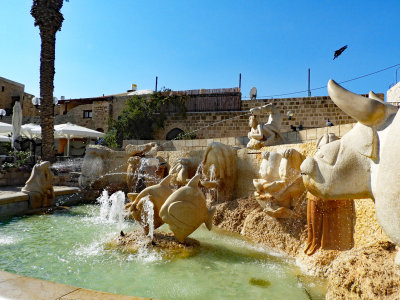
x: 3, y: 113
x: 36, y: 101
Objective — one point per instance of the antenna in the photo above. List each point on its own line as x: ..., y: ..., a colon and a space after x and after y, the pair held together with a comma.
x: 253, y: 93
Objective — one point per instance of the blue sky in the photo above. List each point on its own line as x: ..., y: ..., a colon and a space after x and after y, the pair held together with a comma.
x: 105, y: 46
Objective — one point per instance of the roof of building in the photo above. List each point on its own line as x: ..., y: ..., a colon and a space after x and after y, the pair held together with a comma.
x: 87, y: 100
x: 147, y: 92
x: 12, y: 82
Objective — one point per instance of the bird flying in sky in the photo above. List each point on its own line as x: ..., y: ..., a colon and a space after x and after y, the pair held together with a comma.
x: 338, y: 52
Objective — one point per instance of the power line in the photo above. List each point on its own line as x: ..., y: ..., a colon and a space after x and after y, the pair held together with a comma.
x: 322, y: 87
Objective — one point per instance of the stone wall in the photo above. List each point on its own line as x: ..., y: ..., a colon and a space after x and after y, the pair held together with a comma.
x: 393, y: 94
x: 311, y: 112
x: 307, y: 135
x: 101, y: 110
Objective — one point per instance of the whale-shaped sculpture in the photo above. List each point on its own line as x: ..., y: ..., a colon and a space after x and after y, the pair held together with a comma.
x: 157, y: 194
x: 364, y: 163
x: 185, y: 210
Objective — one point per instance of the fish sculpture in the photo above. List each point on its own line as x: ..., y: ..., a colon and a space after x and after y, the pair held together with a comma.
x: 185, y: 210
x: 157, y: 194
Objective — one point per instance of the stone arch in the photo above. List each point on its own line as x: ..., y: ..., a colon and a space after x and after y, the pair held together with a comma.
x: 173, y: 133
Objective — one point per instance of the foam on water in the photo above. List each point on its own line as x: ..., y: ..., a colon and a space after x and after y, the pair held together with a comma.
x: 7, y: 240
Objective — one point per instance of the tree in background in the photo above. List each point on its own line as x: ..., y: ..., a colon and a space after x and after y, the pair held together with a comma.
x: 48, y: 17
x: 143, y: 115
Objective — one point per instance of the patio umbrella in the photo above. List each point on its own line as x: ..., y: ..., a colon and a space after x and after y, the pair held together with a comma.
x: 69, y: 130
x: 16, y: 121
x: 4, y: 138
x: 31, y: 130
x: 5, y: 128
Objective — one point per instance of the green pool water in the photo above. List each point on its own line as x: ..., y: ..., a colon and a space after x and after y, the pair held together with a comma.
x: 69, y: 248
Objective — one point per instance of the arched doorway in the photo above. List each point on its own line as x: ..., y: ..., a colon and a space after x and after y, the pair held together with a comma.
x: 173, y: 133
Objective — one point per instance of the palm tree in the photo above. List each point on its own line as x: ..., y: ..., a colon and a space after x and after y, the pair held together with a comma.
x: 48, y: 17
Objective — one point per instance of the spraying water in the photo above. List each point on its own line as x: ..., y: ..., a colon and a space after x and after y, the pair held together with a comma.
x: 104, y: 202
x: 212, y: 173
x: 112, y: 208
x: 199, y: 168
x: 117, y: 208
x: 148, y: 216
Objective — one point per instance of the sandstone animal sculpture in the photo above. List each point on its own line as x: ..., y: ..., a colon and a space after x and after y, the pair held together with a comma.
x: 264, y: 134
x: 219, y: 169
x: 269, y: 169
x: 102, y: 167
x: 364, y: 162
x: 185, y: 210
x: 149, y: 149
x: 283, y: 197
x: 39, y: 186
x: 181, y: 171
x: 157, y: 194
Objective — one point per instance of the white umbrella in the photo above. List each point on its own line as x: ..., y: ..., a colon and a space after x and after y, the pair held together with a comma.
x: 31, y: 130
x: 16, y: 121
x: 69, y: 130
x: 5, y: 128
x: 5, y: 138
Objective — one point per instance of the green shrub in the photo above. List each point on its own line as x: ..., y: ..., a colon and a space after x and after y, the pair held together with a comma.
x: 142, y: 116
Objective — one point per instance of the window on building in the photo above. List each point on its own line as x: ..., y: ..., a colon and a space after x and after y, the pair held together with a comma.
x: 87, y: 114
x: 2, y: 88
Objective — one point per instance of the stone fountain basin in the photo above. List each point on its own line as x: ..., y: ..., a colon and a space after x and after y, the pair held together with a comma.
x: 14, y: 202
x: 70, y: 247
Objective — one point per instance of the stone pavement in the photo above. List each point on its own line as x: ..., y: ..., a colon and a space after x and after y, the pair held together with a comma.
x: 17, y: 287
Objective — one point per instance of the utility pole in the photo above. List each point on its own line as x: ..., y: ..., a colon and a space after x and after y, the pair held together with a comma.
x: 309, y: 91
x: 156, y: 83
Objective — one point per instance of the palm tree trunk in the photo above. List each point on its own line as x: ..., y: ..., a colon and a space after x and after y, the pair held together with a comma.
x: 47, y: 71
x: 48, y: 18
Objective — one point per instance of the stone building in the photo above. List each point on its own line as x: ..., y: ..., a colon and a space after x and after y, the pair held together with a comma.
x: 11, y: 91
x: 210, y: 113
x: 96, y: 112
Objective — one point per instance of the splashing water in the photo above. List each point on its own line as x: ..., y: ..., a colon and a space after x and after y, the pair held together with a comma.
x: 117, y: 209
x: 148, y: 215
x: 112, y: 208
x: 212, y: 173
x: 104, y: 202
x: 199, y: 168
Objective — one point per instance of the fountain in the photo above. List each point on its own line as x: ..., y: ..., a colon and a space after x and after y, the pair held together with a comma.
x: 276, y: 223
